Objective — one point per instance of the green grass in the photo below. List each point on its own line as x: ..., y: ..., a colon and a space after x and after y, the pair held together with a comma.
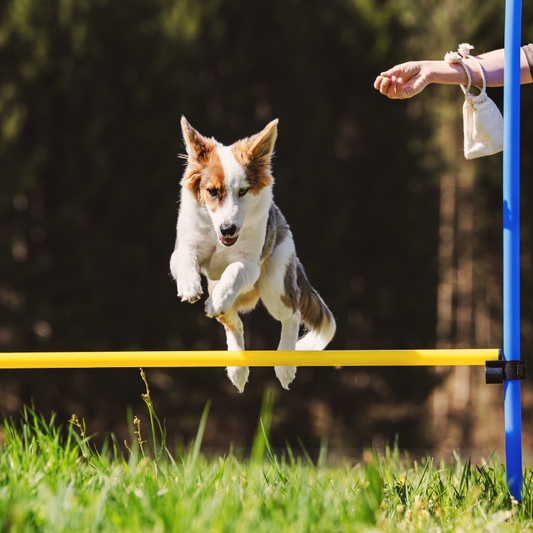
x: 51, y: 483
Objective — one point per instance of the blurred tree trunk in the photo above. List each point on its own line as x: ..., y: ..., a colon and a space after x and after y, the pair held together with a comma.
x: 461, y: 322
x: 455, y: 287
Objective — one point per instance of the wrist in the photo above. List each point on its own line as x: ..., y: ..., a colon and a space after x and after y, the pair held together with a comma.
x: 446, y: 73
x: 430, y: 71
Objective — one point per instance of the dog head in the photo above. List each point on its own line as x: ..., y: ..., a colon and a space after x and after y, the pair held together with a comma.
x: 226, y: 179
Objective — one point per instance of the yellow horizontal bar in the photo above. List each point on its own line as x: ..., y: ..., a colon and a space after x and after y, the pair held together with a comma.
x: 247, y: 358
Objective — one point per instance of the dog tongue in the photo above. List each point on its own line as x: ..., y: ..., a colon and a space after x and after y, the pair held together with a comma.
x: 228, y: 241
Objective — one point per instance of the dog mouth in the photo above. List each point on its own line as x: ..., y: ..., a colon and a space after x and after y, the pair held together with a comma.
x: 228, y: 241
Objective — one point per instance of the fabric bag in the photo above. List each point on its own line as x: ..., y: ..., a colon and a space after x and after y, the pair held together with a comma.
x: 482, y: 120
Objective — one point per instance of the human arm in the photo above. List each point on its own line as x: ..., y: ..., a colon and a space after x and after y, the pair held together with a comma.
x: 408, y: 79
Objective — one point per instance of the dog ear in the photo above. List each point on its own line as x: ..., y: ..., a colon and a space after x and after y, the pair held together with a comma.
x: 255, y: 154
x: 261, y: 145
x: 198, y: 147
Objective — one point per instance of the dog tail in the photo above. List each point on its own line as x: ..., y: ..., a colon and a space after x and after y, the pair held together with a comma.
x: 316, y: 316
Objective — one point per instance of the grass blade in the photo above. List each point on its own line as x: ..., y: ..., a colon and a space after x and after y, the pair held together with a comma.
x: 263, y: 428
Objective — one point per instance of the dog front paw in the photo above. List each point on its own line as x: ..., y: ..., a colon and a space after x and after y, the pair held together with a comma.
x: 214, y: 308
x: 190, y: 290
x: 218, y: 303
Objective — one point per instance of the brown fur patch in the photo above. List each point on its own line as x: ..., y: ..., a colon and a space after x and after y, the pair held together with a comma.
x: 199, y: 147
x: 213, y: 179
x: 247, y: 301
x: 312, y: 307
x: 201, y: 178
x: 258, y: 176
x: 254, y: 154
x: 228, y: 326
x: 204, y: 169
x: 230, y: 322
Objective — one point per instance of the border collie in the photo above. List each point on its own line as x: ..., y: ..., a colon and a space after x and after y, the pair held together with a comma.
x: 230, y: 230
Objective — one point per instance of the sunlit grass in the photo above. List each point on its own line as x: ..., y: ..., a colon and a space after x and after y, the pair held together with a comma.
x: 54, y: 483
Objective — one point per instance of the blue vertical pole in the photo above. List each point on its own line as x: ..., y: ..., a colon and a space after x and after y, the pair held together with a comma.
x: 511, y: 242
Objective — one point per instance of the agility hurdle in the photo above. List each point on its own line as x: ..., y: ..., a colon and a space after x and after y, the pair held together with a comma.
x: 252, y: 358
x: 497, y: 370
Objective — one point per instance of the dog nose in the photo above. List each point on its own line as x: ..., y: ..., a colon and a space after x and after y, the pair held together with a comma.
x: 228, y: 230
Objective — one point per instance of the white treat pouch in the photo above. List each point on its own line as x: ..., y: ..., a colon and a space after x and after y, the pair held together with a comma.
x: 482, y: 120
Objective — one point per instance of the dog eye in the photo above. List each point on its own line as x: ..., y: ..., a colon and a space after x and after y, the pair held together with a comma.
x: 242, y: 192
x: 213, y: 192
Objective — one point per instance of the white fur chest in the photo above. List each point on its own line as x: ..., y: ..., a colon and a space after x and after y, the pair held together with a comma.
x: 214, y: 266
x: 248, y: 248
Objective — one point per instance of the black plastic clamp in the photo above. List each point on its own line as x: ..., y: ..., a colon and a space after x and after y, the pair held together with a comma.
x: 500, y: 371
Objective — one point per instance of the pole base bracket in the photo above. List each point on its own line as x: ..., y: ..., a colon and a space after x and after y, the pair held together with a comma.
x: 500, y: 371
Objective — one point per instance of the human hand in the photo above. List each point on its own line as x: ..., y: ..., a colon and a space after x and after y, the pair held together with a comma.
x: 403, y: 81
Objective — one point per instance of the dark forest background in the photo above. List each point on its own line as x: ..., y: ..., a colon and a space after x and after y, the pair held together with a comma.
x: 397, y: 231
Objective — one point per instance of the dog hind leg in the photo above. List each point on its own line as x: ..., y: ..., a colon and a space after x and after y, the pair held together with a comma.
x: 289, y: 335
x: 235, y: 340
x: 280, y: 295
